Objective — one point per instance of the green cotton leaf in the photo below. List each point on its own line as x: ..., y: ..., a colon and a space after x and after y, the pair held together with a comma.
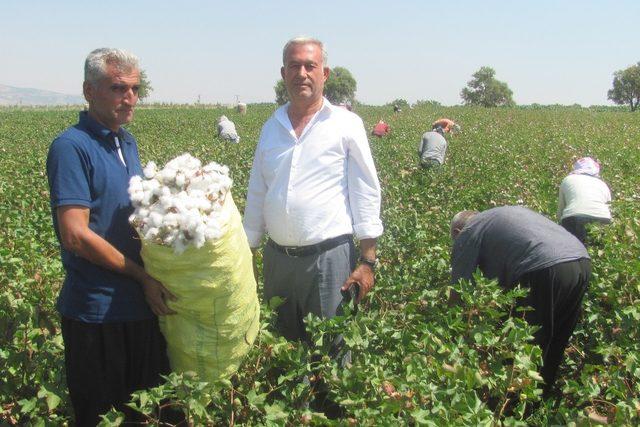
x: 255, y: 399
x: 53, y: 400
x: 275, y: 302
x: 27, y: 406
x: 535, y: 375
x: 274, y: 412
x: 144, y: 398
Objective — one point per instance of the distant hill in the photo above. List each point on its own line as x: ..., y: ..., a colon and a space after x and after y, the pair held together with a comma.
x: 25, y: 96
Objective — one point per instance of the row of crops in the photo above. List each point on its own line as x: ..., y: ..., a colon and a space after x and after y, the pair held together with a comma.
x: 414, y: 359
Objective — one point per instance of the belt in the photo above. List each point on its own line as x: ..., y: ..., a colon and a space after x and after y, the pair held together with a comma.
x: 302, y: 251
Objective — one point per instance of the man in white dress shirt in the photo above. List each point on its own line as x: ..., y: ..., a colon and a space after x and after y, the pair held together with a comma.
x: 313, y: 186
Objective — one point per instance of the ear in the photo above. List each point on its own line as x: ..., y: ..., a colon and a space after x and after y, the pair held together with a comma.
x: 87, y: 91
x: 455, y: 233
x: 326, y: 71
x: 282, y: 72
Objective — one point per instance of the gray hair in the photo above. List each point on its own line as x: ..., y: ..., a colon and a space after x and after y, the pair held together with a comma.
x: 460, y: 220
x: 304, y: 40
x: 95, y: 66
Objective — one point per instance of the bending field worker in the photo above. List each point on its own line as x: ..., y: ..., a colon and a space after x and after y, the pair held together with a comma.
x: 583, y: 198
x: 447, y: 125
x: 432, y: 150
x: 518, y: 246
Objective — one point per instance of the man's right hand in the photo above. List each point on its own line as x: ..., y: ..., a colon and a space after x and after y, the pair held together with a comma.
x: 157, y: 295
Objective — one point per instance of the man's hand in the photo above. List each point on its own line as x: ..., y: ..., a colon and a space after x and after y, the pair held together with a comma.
x: 363, y: 276
x: 156, y: 295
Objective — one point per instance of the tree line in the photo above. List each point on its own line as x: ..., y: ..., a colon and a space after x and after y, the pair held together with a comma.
x: 482, y: 90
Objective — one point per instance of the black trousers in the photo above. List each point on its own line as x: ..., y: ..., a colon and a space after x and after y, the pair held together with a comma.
x: 556, y: 296
x: 106, y: 362
x: 576, y: 225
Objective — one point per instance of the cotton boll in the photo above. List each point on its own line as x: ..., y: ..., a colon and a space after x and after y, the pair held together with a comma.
x: 212, y: 233
x: 170, y: 220
x: 170, y: 237
x: 155, y: 219
x: 151, y: 234
x: 136, y: 197
x: 168, y: 176
x: 150, y: 170
x: 165, y: 202
x: 180, y: 179
x: 135, y: 184
x: 196, y: 194
x: 180, y: 204
x: 147, y: 198
x: 142, y: 212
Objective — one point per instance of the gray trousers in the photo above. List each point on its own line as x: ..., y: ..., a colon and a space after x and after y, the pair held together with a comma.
x: 308, y: 284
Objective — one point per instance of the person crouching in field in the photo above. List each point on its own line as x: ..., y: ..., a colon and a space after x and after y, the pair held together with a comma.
x: 381, y: 129
x: 108, y: 303
x: 447, y: 125
x: 227, y: 130
x: 583, y: 198
x: 432, y: 149
x: 518, y: 246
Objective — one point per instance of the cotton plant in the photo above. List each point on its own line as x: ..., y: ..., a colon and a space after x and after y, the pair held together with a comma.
x: 181, y: 204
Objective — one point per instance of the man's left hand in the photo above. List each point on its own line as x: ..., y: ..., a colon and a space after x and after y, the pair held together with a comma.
x: 363, y: 276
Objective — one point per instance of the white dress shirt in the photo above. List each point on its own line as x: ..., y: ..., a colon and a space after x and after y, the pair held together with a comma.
x: 583, y: 195
x: 309, y: 189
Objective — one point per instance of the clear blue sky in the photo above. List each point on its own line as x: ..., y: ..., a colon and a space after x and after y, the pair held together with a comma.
x: 547, y: 51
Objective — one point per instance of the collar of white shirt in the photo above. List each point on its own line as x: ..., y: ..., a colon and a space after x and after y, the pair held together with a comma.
x: 282, y: 115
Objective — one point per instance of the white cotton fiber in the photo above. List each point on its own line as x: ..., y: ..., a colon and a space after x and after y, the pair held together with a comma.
x: 179, y: 205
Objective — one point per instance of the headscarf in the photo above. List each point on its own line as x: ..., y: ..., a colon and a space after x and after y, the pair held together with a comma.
x: 586, y: 166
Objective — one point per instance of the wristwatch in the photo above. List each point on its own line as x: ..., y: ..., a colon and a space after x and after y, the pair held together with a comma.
x: 373, y: 263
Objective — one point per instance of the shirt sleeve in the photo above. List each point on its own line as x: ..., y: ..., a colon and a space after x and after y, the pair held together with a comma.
x: 253, y: 222
x: 68, y: 172
x: 465, y: 257
x: 363, y: 185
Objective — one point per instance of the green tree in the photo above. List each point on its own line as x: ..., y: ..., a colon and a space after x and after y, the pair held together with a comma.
x: 626, y: 87
x: 340, y: 87
x: 426, y: 103
x: 485, y: 90
x: 400, y: 102
x: 282, y: 97
x: 145, y: 86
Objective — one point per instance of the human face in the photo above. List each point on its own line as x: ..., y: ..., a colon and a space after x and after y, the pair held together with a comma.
x: 112, y: 99
x: 304, y: 73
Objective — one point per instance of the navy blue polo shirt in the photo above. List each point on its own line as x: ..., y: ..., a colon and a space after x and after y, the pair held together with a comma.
x: 84, y: 169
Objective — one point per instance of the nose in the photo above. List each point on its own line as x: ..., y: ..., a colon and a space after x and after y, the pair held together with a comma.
x: 130, y: 96
x: 301, y: 71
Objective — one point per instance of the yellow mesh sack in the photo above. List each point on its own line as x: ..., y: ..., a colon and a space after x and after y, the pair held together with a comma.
x: 217, y: 309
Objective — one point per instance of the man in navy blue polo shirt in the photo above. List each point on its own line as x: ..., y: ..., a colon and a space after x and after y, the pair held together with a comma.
x: 108, y: 303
